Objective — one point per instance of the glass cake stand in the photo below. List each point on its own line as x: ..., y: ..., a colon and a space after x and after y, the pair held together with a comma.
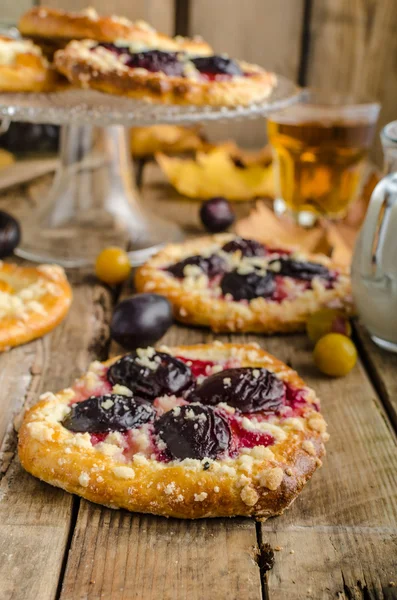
x: 93, y: 201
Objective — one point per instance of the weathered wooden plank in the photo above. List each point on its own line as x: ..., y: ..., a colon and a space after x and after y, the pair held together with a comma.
x: 159, y: 13
x: 332, y: 562
x: 34, y: 518
x: 116, y: 555
x: 382, y: 366
x: 353, y: 49
x: 122, y: 556
x: 342, y: 528
x: 260, y: 31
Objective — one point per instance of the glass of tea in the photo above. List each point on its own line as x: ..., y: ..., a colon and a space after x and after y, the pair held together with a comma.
x: 319, y: 147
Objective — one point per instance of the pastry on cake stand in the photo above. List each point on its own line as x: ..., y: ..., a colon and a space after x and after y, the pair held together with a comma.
x: 94, y: 201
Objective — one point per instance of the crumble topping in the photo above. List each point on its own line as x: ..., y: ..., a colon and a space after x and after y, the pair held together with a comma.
x: 271, y: 478
x: 84, y: 479
x: 10, y: 48
x: 249, y: 495
x: 200, y: 497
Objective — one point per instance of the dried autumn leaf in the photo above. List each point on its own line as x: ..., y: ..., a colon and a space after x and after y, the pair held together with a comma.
x: 6, y: 158
x: 172, y: 139
x: 215, y: 174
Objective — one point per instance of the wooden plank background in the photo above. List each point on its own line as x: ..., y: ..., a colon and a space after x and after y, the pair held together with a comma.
x: 349, y: 46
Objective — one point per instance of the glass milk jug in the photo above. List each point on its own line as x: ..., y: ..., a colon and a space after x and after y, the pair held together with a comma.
x: 374, y: 267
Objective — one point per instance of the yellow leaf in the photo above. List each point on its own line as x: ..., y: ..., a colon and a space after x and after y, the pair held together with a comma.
x: 6, y: 158
x: 214, y: 173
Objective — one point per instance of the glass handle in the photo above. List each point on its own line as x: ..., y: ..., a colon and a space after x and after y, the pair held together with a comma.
x: 375, y: 226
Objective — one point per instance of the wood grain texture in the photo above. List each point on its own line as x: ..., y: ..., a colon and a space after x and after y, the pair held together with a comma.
x: 119, y: 556
x: 260, y: 31
x: 353, y: 49
x: 159, y: 13
x: 382, y: 366
x: 35, y: 519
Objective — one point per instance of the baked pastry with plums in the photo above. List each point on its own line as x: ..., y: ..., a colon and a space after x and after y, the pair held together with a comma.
x: 229, y: 283
x: 165, y: 76
x: 53, y: 28
x: 199, y: 431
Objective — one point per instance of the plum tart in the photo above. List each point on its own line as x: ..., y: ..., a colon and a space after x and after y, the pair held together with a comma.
x: 160, y: 75
x: 23, y: 68
x: 192, y: 431
x: 53, y: 28
x: 33, y: 300
x: 233, y: 284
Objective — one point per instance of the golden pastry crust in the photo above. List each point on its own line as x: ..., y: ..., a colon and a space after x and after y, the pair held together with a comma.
x: 261, y: 481
x: 33, y: 300
x: 104, y: 71
x: 60, y: 26
x: 195, y: 304
x: 23, y: 68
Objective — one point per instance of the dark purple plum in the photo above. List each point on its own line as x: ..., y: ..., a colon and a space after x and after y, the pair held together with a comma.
x: 246, y: 389
x: 248, y: 285
x: 301, y: 270
x: 116, y: 49
x: 211, y: 265
x: 151, y: 376
x: 141, y: 320
x: 151, y: 60
x: 10, y: 234
x: 247, y: 248
x: 217, y: 65
x: 217, y: 214
x: 193, y: 431
x: 111, y: 412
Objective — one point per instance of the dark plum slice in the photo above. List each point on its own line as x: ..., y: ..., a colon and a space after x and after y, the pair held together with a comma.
x: 216, y: 214
x: 248, y: 285
x: 151, y: 376
x: 246, y: 389
x: 115, y: 49
x: 151, y: 60
x: 111, y: 412
x: 157, y: 60
x: 301, y: 270
x: 217, y: 65
x: 193, y: 431
x: 246, y: 247
x: 212, y: 265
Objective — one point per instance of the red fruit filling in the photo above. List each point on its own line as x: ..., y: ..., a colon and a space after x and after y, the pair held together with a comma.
x: 198, y: 367
x: 243, y: 438
x: 201, y: 436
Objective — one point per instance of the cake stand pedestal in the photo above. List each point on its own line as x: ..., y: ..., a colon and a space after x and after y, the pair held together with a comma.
x: 94, y: 201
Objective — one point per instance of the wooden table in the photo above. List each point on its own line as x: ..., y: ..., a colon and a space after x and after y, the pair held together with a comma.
x: 338, y: 540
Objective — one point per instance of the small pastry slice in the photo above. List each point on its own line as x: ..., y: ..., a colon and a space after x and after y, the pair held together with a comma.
x: 33, y: 301
x: 23, y: 68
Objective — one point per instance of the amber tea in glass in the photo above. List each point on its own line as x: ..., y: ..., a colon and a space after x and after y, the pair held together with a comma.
x: 319, y: 147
